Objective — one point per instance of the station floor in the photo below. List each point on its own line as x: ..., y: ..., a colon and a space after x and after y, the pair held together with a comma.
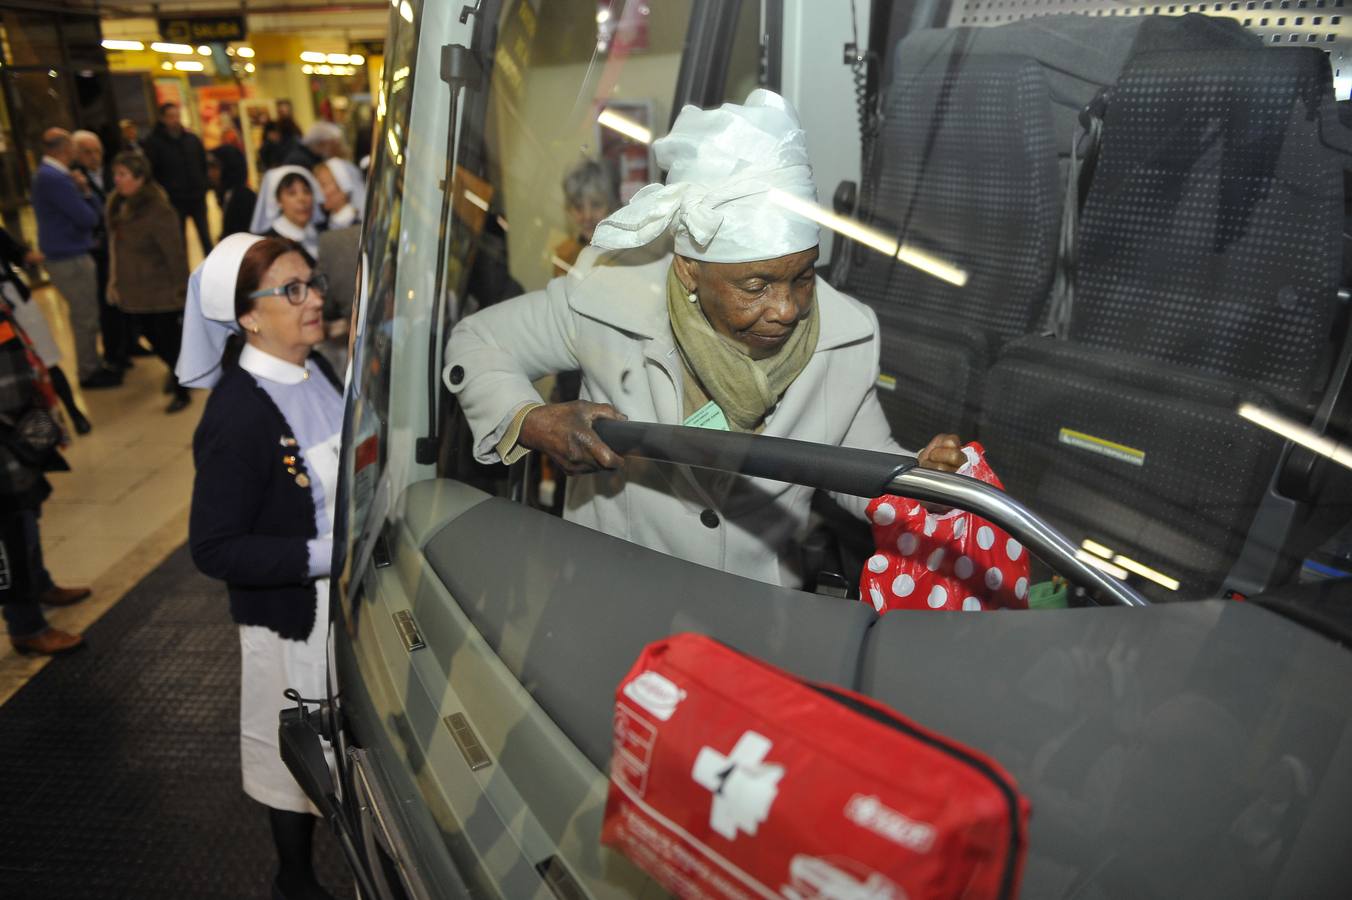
x: 121, y: 762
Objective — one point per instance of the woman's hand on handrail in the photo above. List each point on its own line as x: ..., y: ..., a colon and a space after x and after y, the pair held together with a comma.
x: 565, y: 433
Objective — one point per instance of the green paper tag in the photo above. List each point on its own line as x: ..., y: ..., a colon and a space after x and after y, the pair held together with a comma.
x: 708, y: 416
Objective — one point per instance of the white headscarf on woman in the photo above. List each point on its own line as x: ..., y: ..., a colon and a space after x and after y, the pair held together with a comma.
x: 735, y: 177
x: 351, y: 182
x: 267, y: 209
x: 209, y: 314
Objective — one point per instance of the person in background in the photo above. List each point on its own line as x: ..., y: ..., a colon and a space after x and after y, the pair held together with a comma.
x: 589, y: 196
x: 275, y: 147
x: 112, y: 324
x: 294, y: 220
x: 229, y: 181
x: 267, y: 456
x: 343, y: 192
x: 149, y: 263
x: 14, y: 291
x: 68, y: 216
x: 131, y: 136
x: 25, y: 392
x: 179, y: 163
x: 323, y: 141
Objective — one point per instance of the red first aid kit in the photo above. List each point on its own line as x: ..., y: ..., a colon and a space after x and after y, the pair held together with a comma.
x: 953, y: 560
x: 733, y: 779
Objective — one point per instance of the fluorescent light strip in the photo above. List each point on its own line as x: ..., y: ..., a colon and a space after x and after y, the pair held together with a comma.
x: 627, y: 127
x: 189, y: 65
x: 1146, y: 572
x: 246, y: 52
x: 932, y: 265
x: 406, y: 11
x: 394, y: 141
x: 312, y: 56
x: 1102, y: 565
x: 111, y: 44
x: 875, y: 240
x: 1297, y: 433
x: 1096, y: 548
x: 180, y: 49
x: 476, y: 200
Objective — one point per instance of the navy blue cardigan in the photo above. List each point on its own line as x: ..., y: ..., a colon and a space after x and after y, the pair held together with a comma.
x: 250, y: 521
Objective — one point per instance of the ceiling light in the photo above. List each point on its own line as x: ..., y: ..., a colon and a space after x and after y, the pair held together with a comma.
x: 249, y: 67
x: 1146, y: 572
x: 246, y: 52
x: 357, y: 59
x: 312, y: 56
x: 308, y: 69
x: 406, y: 11
x: 400, y: 73
x: 324, y: 70
x: 167, y: 66
x: 181, y: 49
x: 1102, y: 565
x: 1096, y: 548
x: 229, y: 51
x: 189, y: 65
x: 627, y: 127
x: 123, y: 45
x: 338, y: 59
x: 203, y: 50
x: 1297, y: 433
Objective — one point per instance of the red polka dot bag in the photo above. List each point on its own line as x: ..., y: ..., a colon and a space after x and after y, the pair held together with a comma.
x: 955, y: 560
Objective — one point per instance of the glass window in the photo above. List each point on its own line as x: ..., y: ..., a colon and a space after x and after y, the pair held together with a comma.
x: 41, y: 101
x: 744, y: 63
x: 31, y: 39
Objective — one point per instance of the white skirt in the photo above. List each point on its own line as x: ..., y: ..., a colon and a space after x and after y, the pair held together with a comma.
x: 270, y: 665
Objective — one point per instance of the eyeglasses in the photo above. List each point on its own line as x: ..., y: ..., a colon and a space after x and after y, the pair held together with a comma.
x: 295, y: 292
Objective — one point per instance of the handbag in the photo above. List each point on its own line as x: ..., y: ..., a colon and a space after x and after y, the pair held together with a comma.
x: 954, y: 560
x: 733, y: 779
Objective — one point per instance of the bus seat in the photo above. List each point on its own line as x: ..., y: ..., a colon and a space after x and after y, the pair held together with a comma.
x: 568, y: 609
x: 1208, y: 274
x: 965, y: 171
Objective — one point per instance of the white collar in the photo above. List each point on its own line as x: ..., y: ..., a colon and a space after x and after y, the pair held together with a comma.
x: 265, y: 365
x: 343, y: 217
x: 288, y: 229
x: 56, y: 164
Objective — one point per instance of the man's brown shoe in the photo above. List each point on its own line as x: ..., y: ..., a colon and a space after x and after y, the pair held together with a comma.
x: 59, y: 596
x: 52, y: 642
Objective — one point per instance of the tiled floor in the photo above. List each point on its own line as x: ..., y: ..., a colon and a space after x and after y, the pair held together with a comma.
x: 123, y: 507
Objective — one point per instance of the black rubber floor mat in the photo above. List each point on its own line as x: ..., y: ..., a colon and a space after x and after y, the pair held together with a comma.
x: 120, y: 773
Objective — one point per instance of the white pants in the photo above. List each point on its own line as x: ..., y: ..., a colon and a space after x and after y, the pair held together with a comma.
x: 270, y: 665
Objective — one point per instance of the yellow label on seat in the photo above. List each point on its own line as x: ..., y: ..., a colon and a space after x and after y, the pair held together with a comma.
x: 887, y: 382
x: 1111, y: 449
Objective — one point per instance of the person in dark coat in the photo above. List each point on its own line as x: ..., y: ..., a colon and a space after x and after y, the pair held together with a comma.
x: 24, y: 391
x: 230, y: 181
x: 89, y: 159
x: 150, y: 263
x: 179, y: 164
x: 263, y: 505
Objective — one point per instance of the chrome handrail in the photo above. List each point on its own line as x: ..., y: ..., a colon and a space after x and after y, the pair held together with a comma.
x: 863, y: 474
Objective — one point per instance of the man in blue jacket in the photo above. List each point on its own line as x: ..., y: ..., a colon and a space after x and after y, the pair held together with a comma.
x: 68, y: 215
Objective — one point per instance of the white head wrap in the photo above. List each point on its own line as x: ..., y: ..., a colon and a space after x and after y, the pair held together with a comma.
x: 350, y: 180
x: 209, y: 314
x: 723, y: 165
x: 266, y: 207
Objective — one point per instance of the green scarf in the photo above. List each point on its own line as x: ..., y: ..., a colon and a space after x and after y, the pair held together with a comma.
x: 723, y: 370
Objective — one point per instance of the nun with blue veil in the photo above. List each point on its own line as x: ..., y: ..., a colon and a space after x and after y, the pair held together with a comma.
x: 266, y: 455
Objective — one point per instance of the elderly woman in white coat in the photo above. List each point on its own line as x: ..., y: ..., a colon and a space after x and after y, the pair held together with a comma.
x: 733, y: 330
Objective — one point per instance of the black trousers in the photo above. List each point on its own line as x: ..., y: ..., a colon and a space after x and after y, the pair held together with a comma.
x: 164, y: 331
x: 112, y: 321
x: 197, y: 211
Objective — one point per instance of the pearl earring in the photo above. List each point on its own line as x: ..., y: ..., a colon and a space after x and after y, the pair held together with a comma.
x: 693, y: 297
x: 255, y: 329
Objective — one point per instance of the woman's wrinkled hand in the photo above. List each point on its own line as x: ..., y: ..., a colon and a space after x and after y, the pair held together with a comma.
x: 943, y: 452
x: 564, y: 432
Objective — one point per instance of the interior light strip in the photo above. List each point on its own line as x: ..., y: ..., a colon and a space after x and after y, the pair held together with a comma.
x: 1096, y: 548
x: 1146, y: 572
x: 476, y: 200
x: 111, y: 44
x: 625, y: 126
x: 1102, y: 565
x: 180, y: 49
x: 1297, y: 433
